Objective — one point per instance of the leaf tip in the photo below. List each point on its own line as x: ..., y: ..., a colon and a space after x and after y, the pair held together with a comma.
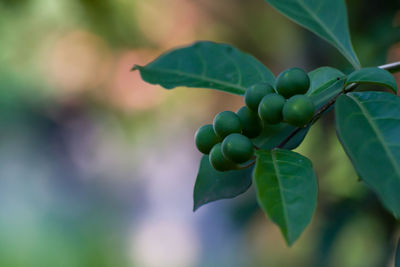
x: 289, y: 238
x: 196, y: 206
x: 136, y: 67
x: 289, y: 242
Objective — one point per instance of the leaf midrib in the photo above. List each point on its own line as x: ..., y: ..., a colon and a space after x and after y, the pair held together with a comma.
x: 240, y: 89
x: 377, y: 132
x: 330, y: 33
x: 285, y: 214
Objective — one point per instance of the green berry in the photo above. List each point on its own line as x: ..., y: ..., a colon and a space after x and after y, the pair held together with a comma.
x: 298, y: 110
x: 255, y: 93
x: 218, y: 160
x: 227, y: 122
x: 270, y: 108
x: 293, y: 81
x: 205, y: 138
x: 237, y: 148
x: 250, y: 121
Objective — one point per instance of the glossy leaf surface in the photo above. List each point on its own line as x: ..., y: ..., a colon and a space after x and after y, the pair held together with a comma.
x: 286, y: 190
x: 327, y: 19
x: 327, y: 92
x: 206, y: 65
x: 323, y: 77
x: 368, y: 126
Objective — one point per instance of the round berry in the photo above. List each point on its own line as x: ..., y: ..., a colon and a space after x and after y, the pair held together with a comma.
x: 205, y: 138
x: 237, y: 148
x: 218, y: 160
x: 255, y: 93
x: 227, y: 122
x: 250, y: 121
x: 293, y: 81
x: 270, y: 108
x: 298, y: 110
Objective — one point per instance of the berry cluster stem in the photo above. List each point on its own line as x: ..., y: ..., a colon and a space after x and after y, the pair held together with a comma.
x: 391, y: 67
x: 247, y: 165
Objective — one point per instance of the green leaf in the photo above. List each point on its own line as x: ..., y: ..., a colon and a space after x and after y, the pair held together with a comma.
x: 286, y: 188
x: 326, y: 83
x: 323, y: 77
x: 373, y: 75
x: 212, y: 185
x: 326, y: 92
x: 206, y: 65
x: 368, y: 126
x: 273, y: 135
x: 327, y: 19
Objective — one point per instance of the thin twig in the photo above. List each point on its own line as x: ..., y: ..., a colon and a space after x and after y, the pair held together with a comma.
x: 391, y: 67
x: 289, y: 137
x: 247, y: 165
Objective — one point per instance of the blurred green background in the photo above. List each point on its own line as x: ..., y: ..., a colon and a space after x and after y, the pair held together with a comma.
x: 97, y: 168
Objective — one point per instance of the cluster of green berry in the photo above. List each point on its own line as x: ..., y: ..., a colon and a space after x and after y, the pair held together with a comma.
x: 227, y: 140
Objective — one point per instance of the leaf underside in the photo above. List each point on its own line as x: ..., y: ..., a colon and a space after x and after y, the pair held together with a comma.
x: 212, y: 185
x: 373, y: 75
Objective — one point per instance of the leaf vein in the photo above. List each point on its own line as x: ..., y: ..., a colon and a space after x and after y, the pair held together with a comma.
x: 378, y: 134
x: 240, y: 88
x: 285, y: 215
x: 328, y: 31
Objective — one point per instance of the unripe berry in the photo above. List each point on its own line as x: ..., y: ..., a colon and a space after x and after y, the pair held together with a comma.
x: 250, y: 121
x: 293, y: 81
x: 218, y: 160
x: 270, y: 108
x: 255, y: 93
x: 205, y: 138
x: 298, y: 110
x: 227, y: 122
x: 237, y: 148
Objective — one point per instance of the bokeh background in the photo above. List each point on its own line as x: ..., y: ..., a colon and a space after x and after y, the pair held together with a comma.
x: 97, y: 167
